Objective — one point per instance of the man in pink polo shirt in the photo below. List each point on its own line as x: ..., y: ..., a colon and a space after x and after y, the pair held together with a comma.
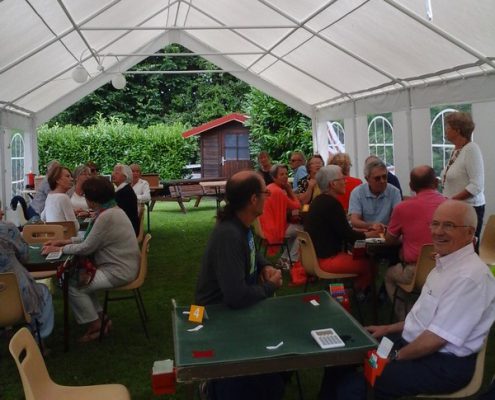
x: 410, y: 224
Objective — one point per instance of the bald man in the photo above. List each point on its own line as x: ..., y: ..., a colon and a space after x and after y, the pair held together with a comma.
x: 410, y: 226
x: 436, y: 346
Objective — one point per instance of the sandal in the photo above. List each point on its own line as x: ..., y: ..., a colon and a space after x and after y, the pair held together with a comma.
x: 95, y: 334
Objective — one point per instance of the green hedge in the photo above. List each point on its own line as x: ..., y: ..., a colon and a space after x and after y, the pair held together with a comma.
x: 158, y: 148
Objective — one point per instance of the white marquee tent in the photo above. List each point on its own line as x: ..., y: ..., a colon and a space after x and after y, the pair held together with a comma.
x: 329, y: 59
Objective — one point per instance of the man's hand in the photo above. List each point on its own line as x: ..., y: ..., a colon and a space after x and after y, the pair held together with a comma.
x: 272, y: 275
x: 378, y: 331
x: 58, y: 243
x: 377, y: 226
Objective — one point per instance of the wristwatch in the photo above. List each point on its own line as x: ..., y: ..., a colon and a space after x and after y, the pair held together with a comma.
x: 393, y: 355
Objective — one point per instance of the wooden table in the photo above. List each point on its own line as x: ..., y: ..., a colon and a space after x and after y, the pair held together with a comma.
x: 233, y: 342
x: 218, y: 187
x: 38, y: 262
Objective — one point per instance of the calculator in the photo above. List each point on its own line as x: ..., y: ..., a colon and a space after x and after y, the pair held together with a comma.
x: 327, y: 338
x: 54, y: 255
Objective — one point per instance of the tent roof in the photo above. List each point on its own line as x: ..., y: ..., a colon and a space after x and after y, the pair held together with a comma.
x: 310, y: 54
x: 214, y: 123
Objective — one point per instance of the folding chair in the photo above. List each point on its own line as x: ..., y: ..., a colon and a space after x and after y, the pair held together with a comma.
x: 41, y: 233
x: 264, y: 243
x: 310, y: 263
x: 424, y: 265
x: 473, y: 386
x: 134, y: 287
x: 15, y: 313
x: 487, y: 244
x: 68, y: 226
x: 37, y: 383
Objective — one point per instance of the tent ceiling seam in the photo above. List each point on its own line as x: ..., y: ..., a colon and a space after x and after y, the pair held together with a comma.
x: 345, y: 51
x: 447, y: 36
x: 51, y: 41
x: 284, y: 37
x: 265, y: 50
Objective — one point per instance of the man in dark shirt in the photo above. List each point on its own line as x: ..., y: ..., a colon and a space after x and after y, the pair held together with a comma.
x: 233, y: 273
x: 124, y: 194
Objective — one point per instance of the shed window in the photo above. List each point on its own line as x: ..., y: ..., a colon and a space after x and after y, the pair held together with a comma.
x: 236, y: 146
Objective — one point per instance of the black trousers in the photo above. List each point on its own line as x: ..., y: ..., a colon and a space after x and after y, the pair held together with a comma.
x: 434, y: 374
x: 480, y: 213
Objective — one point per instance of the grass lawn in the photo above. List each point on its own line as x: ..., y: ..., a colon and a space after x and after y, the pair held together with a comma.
x: 126, y: 356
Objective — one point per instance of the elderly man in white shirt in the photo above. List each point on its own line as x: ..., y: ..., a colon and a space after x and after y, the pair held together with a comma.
x: 141, y: 187
x: 436, y: 345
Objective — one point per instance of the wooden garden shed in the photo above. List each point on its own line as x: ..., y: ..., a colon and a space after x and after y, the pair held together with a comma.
x: 224, y: 144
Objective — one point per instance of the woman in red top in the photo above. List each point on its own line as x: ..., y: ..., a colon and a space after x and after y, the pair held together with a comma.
x: 274, y: 218
x: 344, y: 162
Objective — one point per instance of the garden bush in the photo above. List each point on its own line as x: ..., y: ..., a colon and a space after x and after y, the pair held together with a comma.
x: 158, y: 148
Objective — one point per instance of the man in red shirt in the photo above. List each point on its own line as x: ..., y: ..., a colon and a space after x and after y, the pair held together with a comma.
x: 410, y: 224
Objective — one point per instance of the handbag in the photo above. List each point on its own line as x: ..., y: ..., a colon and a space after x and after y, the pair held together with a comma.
x: 80, y: 270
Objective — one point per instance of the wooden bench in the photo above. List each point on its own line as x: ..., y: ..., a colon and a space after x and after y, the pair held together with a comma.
x: 181, y: 191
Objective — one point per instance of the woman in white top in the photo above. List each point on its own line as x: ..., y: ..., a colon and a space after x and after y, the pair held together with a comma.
x: 463, y: 177
x: 81, y: 174
x: 58, y: 206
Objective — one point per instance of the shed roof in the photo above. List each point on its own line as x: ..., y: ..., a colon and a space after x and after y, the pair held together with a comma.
x: 213, y: 124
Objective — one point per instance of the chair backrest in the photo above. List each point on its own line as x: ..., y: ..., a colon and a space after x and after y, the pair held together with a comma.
x: 69, y: 228
x: 487, y: 244
x: 308, y: 257
x: 474, y: 385
x: 424, y: 265
x: 141, y: 223
x: 143, y: 265
x: 10, y: 294
x: 40, y: 233
x: 31, y: 366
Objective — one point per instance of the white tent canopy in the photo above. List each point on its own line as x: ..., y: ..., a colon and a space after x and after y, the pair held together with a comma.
x: 328, y: 59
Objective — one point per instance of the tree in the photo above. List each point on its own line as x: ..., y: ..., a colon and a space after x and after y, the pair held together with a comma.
x: 276, y: 128
x: 160, y: 98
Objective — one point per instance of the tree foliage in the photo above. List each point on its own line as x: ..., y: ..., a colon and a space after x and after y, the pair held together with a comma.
x: 276, y: 128
x: 158, y: 148
x: 162, y: 98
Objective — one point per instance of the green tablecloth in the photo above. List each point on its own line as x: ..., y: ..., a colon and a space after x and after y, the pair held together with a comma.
x: 38, y: 262
x: 233, y: 336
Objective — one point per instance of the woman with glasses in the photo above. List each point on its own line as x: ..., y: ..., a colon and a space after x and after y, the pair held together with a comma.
x: 463, y: 177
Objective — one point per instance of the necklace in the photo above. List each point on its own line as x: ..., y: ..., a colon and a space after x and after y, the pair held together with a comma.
x: 453, y: 156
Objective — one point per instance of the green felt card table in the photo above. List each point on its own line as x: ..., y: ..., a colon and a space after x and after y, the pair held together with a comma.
x: 234, y: 342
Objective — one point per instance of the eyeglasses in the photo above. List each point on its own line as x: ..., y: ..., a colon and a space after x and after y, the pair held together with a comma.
x: 380, y: 178
x: 265, y: 192
x: 338, y: 179
x: 446, y: 226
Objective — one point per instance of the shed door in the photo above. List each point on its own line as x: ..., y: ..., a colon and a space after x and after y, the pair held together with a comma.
x: 235, y: 152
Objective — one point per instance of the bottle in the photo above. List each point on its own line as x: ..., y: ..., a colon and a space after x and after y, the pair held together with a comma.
x: 30, y: 179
